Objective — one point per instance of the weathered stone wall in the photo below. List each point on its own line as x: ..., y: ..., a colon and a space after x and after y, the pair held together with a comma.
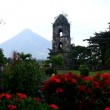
x: 61, y: 43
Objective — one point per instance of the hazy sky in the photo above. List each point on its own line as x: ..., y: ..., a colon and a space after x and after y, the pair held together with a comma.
x: 85, y: 16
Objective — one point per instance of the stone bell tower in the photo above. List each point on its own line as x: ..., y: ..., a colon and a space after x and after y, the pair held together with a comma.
x: 61, y: 43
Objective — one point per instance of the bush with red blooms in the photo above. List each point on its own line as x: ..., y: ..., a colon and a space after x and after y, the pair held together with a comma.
x: 76, y: 92
x: 21, y: 101
x: 107, y: 108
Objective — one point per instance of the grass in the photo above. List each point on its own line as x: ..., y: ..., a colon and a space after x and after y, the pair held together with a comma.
x: 78, y: 72
x: 101, y: 71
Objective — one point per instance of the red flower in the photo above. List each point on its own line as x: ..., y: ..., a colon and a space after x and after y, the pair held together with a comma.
x: 107, y: 82
x: 105, y: 76
x: 11, y: 107
x: 45, y: 86
x: 59, y: 90
x: 2, y: 95
x: 73, y: 80
x: 6, y: 95
x: 107, y: 108
x: 88, y: 90
x: 23, y: 96
x: 96, y: 84
x: 53, y: 106
x: 82, y: 88
x: 87, y: 78
x: 38, y: 99
x: 65, y: 79
x: 98, y: 75
x: 54, y: 79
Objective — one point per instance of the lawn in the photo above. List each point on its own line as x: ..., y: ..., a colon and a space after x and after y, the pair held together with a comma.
x: 78, y: 72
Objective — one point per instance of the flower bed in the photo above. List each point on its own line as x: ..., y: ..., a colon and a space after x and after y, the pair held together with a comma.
x: 76, y: 92
x: 21, y: 101
x: 64, y: 92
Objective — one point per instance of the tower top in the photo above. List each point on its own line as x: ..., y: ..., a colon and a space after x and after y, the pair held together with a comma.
x: 61, y: 20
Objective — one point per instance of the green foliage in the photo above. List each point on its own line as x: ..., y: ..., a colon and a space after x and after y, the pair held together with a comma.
x: 23, y: 56
x: 2, y: 60
x: 50, y: 71
x: 57, y: 60
x: 46, y: 63
x: 84, y: 70
x: 14, y: 102
x: 23, y: 76
x: 99, y: 45
x: 79, y: 55
x: 107, y: 56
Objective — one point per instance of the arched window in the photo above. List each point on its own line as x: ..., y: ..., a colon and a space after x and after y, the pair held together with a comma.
x: 60, y: 46
x: 60, y: 32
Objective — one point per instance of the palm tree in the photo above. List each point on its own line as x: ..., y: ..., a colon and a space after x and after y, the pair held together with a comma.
x: 23, y: 56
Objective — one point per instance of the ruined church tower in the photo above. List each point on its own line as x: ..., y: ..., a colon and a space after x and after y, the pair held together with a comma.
x: 61, y: 43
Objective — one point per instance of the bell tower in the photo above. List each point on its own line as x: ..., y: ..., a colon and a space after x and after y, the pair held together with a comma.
x: 61, y: 35
x: 61, y: 43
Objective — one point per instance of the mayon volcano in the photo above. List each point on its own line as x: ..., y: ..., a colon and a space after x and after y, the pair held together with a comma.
x: 27, y: 42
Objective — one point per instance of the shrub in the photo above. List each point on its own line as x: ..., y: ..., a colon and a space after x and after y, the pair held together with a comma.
x: 84, y: 70
x: 50, y: 71
x: 21, y: 101
x: 76, y: 92
x: 23, y: 76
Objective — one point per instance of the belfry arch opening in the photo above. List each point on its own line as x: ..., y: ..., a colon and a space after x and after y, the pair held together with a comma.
x: 60, y: 32
x: 60, y: 46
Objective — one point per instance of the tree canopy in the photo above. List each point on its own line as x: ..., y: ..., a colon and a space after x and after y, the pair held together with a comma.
x: 2, y: 59
x: 100, y: 47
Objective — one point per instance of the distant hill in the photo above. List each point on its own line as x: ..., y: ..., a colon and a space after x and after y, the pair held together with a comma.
x: 27, y: 42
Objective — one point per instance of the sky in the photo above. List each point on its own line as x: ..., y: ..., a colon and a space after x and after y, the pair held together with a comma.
x: 85, y: 16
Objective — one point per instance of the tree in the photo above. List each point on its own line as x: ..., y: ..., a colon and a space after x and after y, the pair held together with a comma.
x: 22, y: 75
x: 100, y: 45
x: 57, y: 61
x: 23, y: 56
x: 107, y: 56
x: 2, y: 60
x: 80, y: 55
